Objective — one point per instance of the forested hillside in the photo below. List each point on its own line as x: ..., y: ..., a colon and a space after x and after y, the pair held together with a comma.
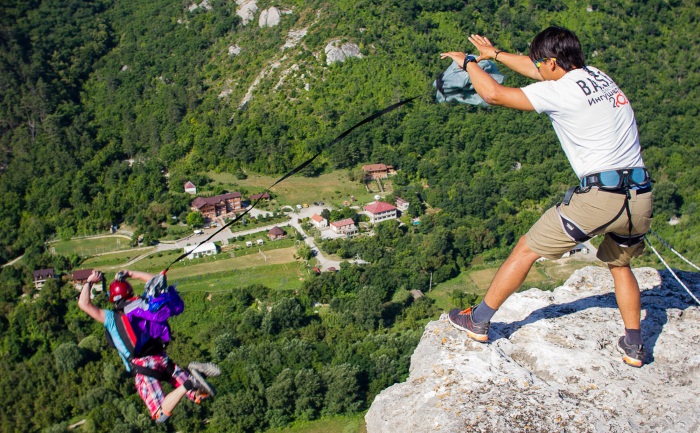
x: 108, y: 107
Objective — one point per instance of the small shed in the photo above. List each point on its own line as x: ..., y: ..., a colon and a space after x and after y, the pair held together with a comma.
x: 190, y: 188
x: 248, y: 243
x: 275, y: 233
x: 259, y: 242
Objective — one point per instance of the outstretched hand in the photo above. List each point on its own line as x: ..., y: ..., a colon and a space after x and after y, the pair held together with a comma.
x: 484, y: 46
x: 456, y: 56
x: 95, y: 277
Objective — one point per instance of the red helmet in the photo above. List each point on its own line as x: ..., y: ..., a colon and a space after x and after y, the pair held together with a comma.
x: 120, y: 290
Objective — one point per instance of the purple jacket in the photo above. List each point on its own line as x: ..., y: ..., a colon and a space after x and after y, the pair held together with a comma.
x: 148, y: 324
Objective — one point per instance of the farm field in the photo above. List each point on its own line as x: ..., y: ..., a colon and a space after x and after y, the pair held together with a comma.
x: 92, y: 246
x: 331, y: 188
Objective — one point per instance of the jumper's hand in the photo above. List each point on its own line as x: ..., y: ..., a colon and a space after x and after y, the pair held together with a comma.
x: 95, y: 277
x: 484, y: 45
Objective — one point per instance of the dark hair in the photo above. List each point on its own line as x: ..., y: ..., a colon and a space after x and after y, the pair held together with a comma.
x: 559, y: 43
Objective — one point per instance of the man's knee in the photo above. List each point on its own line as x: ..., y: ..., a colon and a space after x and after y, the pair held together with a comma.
x: 522, y: 250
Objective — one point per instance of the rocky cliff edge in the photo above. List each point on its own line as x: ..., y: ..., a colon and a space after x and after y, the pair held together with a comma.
x: 551, y: 365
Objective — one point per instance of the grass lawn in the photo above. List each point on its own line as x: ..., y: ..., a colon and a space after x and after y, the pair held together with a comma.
x: 92, y: 246
x: 550, y: 273
x: 115, y: 260
x: 331, y: 188
x: 340, y: 424
x: 277, y: 269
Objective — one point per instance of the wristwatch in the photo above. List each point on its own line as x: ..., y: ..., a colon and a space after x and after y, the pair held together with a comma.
x: 468, y: 59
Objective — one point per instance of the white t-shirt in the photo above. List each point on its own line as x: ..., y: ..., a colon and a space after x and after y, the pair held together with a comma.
x: 593, y: 119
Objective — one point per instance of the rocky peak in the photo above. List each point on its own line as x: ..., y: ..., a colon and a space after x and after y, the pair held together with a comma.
x: 552, y: 365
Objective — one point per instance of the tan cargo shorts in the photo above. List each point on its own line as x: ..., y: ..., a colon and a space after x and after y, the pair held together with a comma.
x: 589, y: 211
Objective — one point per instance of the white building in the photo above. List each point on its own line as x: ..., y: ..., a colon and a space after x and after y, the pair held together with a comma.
x: 401, y: 204
x: 201, y: 250
x: 380, y: 211
x: 190, y: 188
x: 319, y: 221
x: 346, y: 227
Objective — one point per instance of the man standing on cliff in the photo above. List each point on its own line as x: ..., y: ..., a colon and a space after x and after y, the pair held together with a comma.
x: 597, y: 129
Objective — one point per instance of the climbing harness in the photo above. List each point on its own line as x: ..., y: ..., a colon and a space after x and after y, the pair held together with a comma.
x: 123, y: 338
x: 616, y: 182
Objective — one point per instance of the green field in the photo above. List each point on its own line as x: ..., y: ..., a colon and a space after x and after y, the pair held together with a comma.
x: 331, y: 188
x: 276, y: 268
x: 116, y: 260
x: 344, y: 424
x: 92, y: 246
x: 547, y: 274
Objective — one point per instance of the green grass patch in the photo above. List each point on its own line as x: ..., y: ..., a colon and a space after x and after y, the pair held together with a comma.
x: 331, y: 188
x: 110, y: 261
x: 91, y: 246
x: 441, y: 292
x: 284, y: 276
x: 339, y: 424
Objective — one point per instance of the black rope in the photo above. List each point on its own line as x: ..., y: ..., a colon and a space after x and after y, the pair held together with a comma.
x: 297, y: 169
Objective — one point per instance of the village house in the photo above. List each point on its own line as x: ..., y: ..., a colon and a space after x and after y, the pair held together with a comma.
x: 377, y: 171
x: 380, y: 211
x: 263, y: 195
x: 401, y: 204
x: 346, y: 227
x: 219, y: 205
x: 80, y: 278
x: 190, y: 188
x: 319, y: 221
x: 201, y: 250
x: 276, y: 233
x: 41, y: 275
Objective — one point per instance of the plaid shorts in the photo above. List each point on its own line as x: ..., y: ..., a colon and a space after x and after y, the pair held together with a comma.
x: 150, y: 389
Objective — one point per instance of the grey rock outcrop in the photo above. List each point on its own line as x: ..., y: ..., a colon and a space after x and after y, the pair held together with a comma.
x: 552, y: 366
x: 336, y: 53
x: 246, y: 10
x: 269, y: 17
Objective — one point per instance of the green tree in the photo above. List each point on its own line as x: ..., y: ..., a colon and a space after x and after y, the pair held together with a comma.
x: 195, y: 219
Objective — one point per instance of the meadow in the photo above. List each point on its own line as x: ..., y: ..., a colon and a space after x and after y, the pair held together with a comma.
x: 331, y: 188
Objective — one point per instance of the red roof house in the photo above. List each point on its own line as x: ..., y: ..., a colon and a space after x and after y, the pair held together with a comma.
x: 380, y: 211
x: 346, y: 227
x: 212, y: 207
x: 190, y: 188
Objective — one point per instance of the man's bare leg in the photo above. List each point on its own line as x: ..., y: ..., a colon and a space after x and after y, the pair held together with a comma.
x: 511, y: 274
x: 627, y: 295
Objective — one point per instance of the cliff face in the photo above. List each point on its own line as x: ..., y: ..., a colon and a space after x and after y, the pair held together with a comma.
x: 552, y: 366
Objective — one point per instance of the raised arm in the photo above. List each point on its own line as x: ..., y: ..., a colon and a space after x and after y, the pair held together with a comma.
x: 489, y: 89
x: 143, y: 276
x: 516, y: 62
x: 84, y: 301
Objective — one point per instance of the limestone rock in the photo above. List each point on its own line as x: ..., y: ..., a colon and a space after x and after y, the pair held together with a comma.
x: 552, y: 365
x: 269, y: 17
x: 234, y: 50
x: 246, y: 10
x: 336, y: 53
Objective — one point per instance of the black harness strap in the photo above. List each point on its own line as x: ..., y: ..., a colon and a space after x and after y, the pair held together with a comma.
x: 162, y: 376
x: 577, y: 234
